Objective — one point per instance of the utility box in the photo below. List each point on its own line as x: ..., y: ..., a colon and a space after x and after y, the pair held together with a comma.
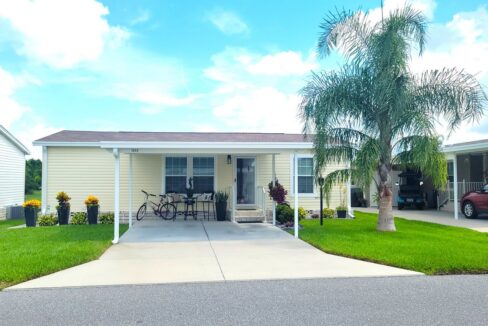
x: 15, y: 212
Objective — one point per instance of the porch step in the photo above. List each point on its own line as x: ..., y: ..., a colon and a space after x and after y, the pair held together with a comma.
x: 249, y: 216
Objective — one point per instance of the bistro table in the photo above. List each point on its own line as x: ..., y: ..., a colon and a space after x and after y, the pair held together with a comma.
x: 190, y: 203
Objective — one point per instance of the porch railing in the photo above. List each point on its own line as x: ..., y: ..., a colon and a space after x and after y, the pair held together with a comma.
x: 261, y: 201
x: 463, y: 187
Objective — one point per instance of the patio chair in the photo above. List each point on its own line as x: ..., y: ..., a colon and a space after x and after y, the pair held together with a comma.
x: 207, y: 198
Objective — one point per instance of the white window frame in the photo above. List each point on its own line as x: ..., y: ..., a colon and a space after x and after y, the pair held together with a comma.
x: 189, y: 169
x: 214, y: 169
x: 292, y: 175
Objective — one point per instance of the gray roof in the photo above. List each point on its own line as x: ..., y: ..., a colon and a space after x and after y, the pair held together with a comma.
x: 73, y: 136
x: 473, y: 142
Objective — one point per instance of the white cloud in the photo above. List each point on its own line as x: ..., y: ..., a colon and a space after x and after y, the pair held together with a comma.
x: 256, y: 92
x: 10, y: 109
x: 426, y: 6
x: 61, y: 33
x: 30, y: 130
x: 142, y: 17
x: 227, y: 22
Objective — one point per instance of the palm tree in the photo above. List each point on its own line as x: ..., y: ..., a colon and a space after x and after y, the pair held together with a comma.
x: 374, y: 112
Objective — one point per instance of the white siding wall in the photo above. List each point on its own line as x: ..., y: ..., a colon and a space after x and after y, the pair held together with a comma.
x: 12, y: 175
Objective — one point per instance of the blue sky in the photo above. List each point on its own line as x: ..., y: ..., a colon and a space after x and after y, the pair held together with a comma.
x: 190, y: 65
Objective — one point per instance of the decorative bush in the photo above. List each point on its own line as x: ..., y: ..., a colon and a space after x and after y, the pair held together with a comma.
x: 302, y: 213
x: 277, y: 192
x: 79, y: 218
x: 47, y: 220
x: 106, y: 218
x: 221, y: 196
x: 328, y: 213
x: 33, y: 203
x: 91, y: 201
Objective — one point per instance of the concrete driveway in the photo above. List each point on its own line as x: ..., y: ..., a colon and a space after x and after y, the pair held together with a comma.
x: 156, y: 251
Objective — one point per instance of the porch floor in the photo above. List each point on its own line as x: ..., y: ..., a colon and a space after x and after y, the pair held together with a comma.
x: 156, y: 251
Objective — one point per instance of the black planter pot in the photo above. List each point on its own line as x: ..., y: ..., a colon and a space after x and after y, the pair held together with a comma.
x: 92, y: 212
x: 30, y: 216
x: 63, y: 215
x: 341, y: 214
x: 221, y: 210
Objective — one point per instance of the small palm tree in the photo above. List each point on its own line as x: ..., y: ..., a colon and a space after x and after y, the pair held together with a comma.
x: 376, y: 114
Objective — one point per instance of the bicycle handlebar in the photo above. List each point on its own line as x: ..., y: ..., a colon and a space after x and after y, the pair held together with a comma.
x: 148, y: 194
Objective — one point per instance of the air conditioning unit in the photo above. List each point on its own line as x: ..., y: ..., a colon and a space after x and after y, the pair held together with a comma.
x: 15, y: 212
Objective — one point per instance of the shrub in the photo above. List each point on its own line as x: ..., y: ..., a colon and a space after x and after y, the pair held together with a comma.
x: 106, y: 218
x: 47, y: 220
x: 79, y: 218
x: 328, y: 213
x: 284, y: 213
x: 302, y: 213
x: 34, y: 203
x: 91, y: 201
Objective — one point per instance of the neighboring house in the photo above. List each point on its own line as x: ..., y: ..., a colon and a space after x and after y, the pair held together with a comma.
x: 467, y: 165
x: 85, y: 162
x: 12, y: 171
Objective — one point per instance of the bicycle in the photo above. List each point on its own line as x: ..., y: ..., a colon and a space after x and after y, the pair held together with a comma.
x: 165, y: 209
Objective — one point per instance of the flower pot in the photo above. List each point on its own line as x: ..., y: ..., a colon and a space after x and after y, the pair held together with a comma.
x: 341, y: 214
x: 221, y: 210
x: 92, y: 212
x: 63, y: 215
x: 30, y: 216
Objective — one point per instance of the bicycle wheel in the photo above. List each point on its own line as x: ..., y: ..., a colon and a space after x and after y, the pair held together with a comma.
x: 141, y: 212
x: 167, y: 211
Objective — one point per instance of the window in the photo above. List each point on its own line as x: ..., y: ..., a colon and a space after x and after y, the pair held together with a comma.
x: 305, y: 175
x: 176, y: 170
x: 203, y: 174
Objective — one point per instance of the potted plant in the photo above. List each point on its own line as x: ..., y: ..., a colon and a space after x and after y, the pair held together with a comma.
x: 189, y: 190
x: 341, y: 211
x: 277, y: 192
x: 31, y: 208
x: 63, y: 207
x: 91, y: 203
x: 221, y: 205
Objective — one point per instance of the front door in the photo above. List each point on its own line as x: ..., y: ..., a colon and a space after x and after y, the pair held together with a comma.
x: 246, y: 181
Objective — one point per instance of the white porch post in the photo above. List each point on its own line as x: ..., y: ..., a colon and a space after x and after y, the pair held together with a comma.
x: 456, y: 205
x: 44, y: 181
x: 295, y: 193
x: 116, y: 195
x: 273, y: 172
x: 130, y: 190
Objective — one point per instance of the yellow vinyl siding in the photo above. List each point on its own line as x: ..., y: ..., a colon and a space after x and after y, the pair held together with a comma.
x: 81, y: 171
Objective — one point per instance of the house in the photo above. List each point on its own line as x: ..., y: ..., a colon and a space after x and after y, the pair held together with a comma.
x: 12, y: 171
x: 115, y: 166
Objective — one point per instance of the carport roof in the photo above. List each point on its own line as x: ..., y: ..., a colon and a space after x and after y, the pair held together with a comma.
x: 74, y: 136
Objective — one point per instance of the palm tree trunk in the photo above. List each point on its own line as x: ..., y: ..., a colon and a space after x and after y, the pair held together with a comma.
x: 385, y: 214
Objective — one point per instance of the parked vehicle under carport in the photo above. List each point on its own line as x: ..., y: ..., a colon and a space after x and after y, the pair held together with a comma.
x: 410, y: 190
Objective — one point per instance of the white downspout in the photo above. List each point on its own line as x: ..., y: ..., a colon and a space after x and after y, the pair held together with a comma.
x: 349, y: 200
x: 44, y: 181
x: 456, y: 206
x: 116, y: 195
x: 295, y: 193
x: 273, y: 169
x: 130, y: 190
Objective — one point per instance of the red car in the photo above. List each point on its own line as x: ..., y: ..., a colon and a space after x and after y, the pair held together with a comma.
x: 475, y: 202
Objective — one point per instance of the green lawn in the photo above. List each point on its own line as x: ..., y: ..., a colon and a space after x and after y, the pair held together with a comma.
x: 28, y: 253
x: 35, y: 195
x: 425, y: 247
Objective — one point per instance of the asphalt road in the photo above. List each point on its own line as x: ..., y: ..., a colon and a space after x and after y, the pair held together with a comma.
x: 442, y: 300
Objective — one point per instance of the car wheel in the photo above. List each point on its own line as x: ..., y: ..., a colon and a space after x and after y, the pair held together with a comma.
x: 469, y: 210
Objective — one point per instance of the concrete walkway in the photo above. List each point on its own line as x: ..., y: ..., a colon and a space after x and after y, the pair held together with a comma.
x: 195, y: 251
x: 434, y: 216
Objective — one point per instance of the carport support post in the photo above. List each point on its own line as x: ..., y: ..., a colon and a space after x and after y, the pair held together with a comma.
x: 273, y: 167
x: 295, y: 193
x: 116, y: 195
x: 130, y: 190
x: 456, y: 205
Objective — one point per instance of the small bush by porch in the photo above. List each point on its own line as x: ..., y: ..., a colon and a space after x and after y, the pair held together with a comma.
x: 28, y: 253
x: 420, y: 246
